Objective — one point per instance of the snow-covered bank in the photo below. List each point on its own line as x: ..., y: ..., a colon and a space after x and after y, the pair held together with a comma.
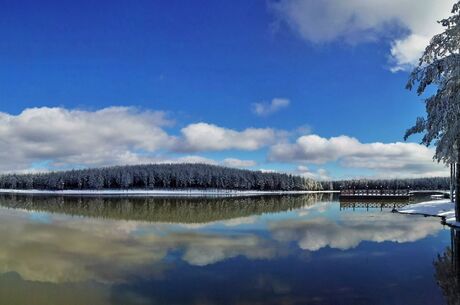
x: 194, y: 193
x: 439, y: 208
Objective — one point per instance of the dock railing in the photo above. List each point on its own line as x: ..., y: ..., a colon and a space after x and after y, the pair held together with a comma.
x: 375, y: 193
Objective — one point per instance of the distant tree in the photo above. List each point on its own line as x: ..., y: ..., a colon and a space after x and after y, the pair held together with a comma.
x: 440, y: 66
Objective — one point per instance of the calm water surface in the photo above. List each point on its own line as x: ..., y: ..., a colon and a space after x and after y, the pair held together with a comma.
x: 270, y: 250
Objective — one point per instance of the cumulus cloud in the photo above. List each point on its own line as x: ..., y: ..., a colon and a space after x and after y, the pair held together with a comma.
x: 320, y: 174
x: 210, y: 137
x: 406, y: 52
x: 39, y: 139
x: 393, y: 159
x: 265, y: 109
x: 358, y: 20
x: 192, y: 159
x: 229, y: 162
x: 233, y: 162
x: 56, y: 138
x: 109, y: 135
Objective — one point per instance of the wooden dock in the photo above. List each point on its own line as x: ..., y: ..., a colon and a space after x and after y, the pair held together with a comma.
x: 375, y: 194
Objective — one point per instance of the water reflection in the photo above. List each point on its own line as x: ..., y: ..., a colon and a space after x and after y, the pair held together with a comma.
x: 447, y: 270
x: 71, y: 250
x: 267, y: 250
x: 369, y: 205
x: 352, y: 229
x: 157, y: 209
x: 16, y: 291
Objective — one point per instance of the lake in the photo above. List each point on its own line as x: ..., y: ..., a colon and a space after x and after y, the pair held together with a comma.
x: 259, y: 250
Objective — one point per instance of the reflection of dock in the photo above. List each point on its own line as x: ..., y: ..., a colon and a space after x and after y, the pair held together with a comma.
x: 433, y: 193
x: 375, y: 194
x: 352, y: 205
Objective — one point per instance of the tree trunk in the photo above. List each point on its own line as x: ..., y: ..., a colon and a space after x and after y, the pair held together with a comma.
x: 455, y: 251
x: 457, y: 188
x: 451, y: 184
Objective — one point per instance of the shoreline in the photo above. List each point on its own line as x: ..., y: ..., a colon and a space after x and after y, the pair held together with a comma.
x: 162, y: 193
x: 444, y: 209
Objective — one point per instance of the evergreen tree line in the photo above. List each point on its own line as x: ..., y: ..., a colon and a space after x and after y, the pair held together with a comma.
x: 433, y: 183
x: 158, y: 176
x: 199, y: 176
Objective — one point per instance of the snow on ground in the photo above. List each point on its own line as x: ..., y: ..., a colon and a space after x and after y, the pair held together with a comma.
x: 196, y: 193
x: 440, y: 208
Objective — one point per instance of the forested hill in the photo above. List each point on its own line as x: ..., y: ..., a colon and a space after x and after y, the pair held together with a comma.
x: 159, y: 176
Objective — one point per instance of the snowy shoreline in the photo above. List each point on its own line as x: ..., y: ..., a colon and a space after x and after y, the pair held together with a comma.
x: 444, y: 209
x: 165, y: 193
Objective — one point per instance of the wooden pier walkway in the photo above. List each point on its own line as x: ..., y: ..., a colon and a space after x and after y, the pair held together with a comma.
x: 375, y: 194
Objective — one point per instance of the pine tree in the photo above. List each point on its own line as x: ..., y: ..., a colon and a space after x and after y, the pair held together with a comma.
x: 440, y: 66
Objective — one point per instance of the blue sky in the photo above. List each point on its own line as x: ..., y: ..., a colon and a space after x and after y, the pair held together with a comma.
x: 209, y: 62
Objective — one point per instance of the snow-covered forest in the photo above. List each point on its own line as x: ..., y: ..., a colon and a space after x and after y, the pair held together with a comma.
x: 159, y: 176
x: 198, y: 176
x: 433, y: 183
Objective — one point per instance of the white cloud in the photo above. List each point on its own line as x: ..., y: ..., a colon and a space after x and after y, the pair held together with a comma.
x: 364, y: 20
x: 193, y: 159
x: 44, y: 138
x: 229, y: 162
x: 406, y: 52
x: 209, y: 137
x: 265, y: 109
x: 314, y: 149
x: 57, y: 138
x: 106, y: 136
x: 267, y: 170
x: 320, y: 174
x: 392, y: 159
x: 233, y: 162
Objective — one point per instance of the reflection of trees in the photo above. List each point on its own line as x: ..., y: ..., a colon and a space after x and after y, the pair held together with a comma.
x: 447, y: 270
x: 155, y: 209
